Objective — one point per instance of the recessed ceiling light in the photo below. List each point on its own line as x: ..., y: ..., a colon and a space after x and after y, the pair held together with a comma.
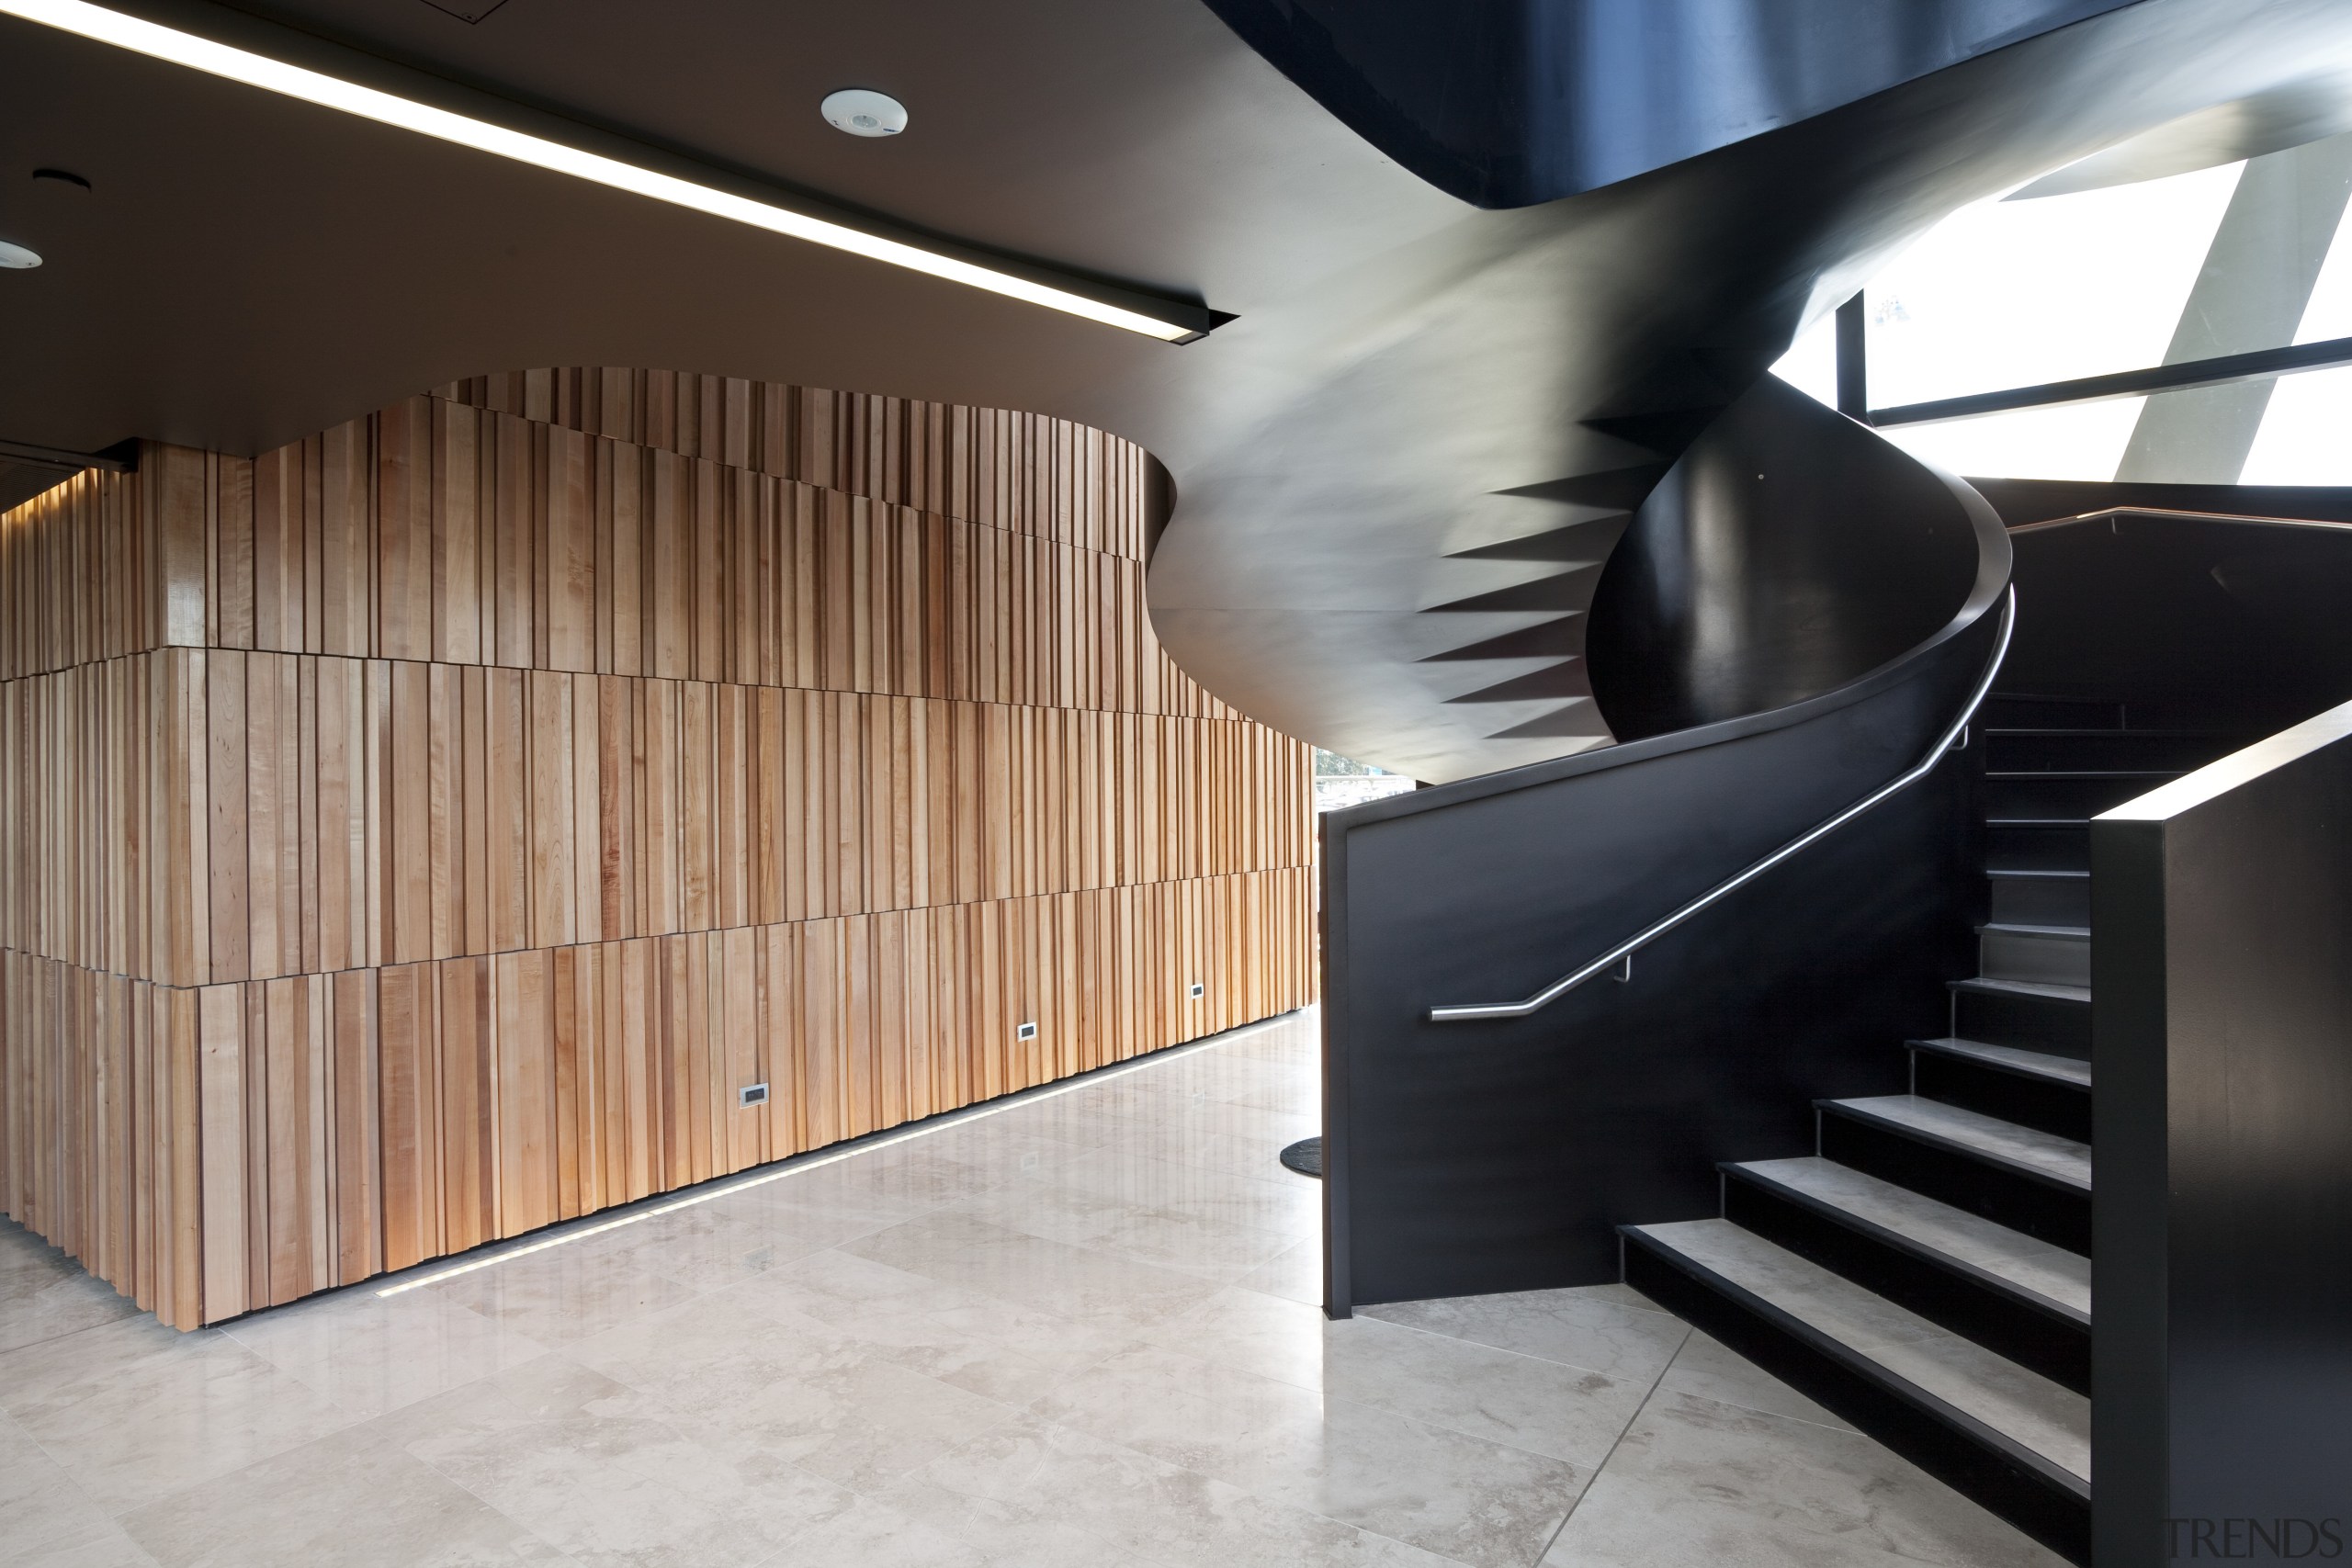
x: 1180, y: 324
x: 17, y: 258
x: 861, y: 112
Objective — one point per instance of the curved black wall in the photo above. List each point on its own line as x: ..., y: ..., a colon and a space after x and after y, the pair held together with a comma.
x: 1789, y: 552
x: 1806, y: 634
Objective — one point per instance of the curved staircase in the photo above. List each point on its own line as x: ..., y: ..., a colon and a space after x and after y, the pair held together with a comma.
x: 1840, y: 1111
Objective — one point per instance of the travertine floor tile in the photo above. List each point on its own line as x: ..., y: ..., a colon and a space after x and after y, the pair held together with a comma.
x: 714, y: 1245
x: 1624, y: 1523
x: 103, y: 1545
x: 1074, y: 1281
x: 568, y: 1292
x: 45, y: 1294
x: 838, y: 1201
x: 1168, y: 1234
x: 1464, y: 1497
x: 1572, y: 1326
x: 368, y: 1354
x: 1253, y: 1331
x: 1270, y: 1200
x: 352, y: 1500
x: 983, y: 1343
x: 41, y: 1508
x: 1792, y: 1475
x: 1033, y: 1474
x: 1296, y: 1276
x: 132, y: 1428
x: 1519, y: 1401
x: 610, y: 1475
x: 751, y: 1379
x: 1705, y: 1368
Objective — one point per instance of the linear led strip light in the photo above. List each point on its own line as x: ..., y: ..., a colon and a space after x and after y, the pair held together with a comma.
x: 253, y: 70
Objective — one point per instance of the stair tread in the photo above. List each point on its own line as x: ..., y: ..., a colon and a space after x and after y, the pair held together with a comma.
x: 2084, y: 773
x: 2008, y: 928
x: 2023, y: 1407
x: 1988, y: 985
x: 2046, y: 1155
x: 2166, y: 734
x: 2033, y: 1267
x: 2034, y: 1064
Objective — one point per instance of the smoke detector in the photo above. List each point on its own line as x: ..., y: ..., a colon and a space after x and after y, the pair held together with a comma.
x: 863, y: 112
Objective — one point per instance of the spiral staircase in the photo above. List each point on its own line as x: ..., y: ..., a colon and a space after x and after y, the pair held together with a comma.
x: 1742, y: 948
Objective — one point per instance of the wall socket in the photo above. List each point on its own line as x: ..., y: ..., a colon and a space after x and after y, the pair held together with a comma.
x: 1198, y: 990
x: 1024, y: 1031
x: 752, y: 1094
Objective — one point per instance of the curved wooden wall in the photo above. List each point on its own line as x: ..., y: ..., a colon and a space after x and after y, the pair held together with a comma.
x: 417, y: 835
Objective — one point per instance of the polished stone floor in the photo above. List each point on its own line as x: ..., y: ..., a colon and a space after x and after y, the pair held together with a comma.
x: 1075, y: 1333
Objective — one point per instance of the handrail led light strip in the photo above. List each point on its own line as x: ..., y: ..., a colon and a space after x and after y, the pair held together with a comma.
x: 235, y: 64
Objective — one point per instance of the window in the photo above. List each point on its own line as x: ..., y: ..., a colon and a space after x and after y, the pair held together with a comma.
x: 1342, y: 781
x: 2025, y: 290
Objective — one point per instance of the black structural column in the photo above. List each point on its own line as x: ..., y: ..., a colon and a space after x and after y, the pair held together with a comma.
x: 2222, y: 1265
x: 1853, y: 361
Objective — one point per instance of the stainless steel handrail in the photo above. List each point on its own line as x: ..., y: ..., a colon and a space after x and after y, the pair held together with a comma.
x: 1623, y: 952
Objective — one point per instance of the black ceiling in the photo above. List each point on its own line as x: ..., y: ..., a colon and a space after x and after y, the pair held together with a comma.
x: 1138, y: 140
x: 248, y: 268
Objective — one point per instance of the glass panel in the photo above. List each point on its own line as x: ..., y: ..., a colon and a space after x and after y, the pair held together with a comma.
x: 2329, y: 314
x: 2306, y: 436
x: 2066, y: 441
x: 1342, y: 781
x: 2016, y: 293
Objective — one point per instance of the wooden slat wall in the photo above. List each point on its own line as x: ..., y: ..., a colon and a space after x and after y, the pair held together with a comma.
x: 438, y: 531
x: 100, y: 1149
x: 359, y: 812
x: 415, y: 836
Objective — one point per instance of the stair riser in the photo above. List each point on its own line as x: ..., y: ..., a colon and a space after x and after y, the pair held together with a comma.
x: 1955, y: 1456
x: 2061, y: 1027
x: 2029, y: 1102
x: 2041, y: 900
x: 2058, y: 1348
x: 2041, y: 960
x: 2119, y: 749
x: 2059, y: 796
x: 2066, y: 847
x: 2055, y: 1215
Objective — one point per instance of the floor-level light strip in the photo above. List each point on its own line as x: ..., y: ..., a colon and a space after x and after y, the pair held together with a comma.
x: 798, y: 1163
x: 235, y: 64
x: 583, y: 1234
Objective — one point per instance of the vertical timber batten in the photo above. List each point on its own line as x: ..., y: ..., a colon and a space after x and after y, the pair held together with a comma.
x: 415, y: 835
